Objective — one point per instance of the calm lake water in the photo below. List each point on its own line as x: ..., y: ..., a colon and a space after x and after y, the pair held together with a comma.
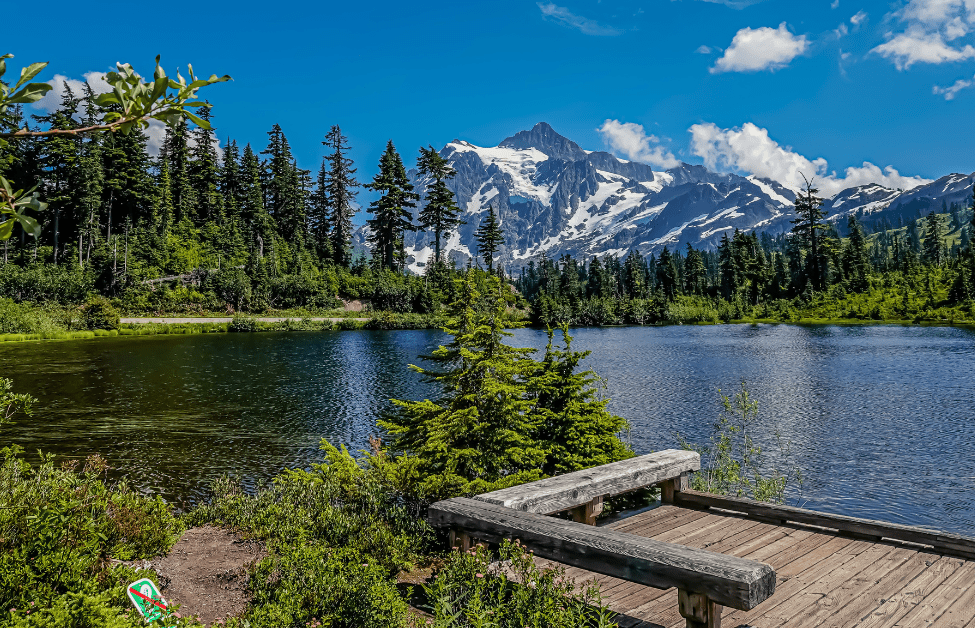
x: 881, y: 420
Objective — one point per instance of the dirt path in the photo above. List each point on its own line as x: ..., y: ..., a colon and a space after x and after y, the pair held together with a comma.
x: 206, y: 573
x: 227, y: 319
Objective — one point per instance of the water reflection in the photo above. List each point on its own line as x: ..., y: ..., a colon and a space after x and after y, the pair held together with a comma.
x: 881, y: 419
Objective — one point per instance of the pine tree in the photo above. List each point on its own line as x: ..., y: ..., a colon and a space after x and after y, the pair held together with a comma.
x: 176, y: 148
x: 571, y: 421
x: 337, y: 186
x: 856, y: 263
x: 489, y: 237
x: 282, y: 187
x: 258, y: 224
x: 203, y: 172
x: 391, y: 211
x: 59, y: 155
x: 441, y: 213
x: 477, y: 435
x: 807, y: 225
x: 933, y: 251
x: 695, y: 273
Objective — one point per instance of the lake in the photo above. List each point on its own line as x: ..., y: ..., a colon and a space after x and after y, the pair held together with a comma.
x: 881, y: 419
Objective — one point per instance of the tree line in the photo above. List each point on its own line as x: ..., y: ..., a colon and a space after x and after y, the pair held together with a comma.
x: 925, y: 265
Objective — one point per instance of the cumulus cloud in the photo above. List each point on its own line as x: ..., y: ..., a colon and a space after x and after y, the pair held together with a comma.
x: 60, y: 83
x: 564, y: 17
x: 749, y: 149
x: 858, y: 19
x: 631, y: 141
x: 764, y: 48
x: 930, y: 27
x: 950, y: 91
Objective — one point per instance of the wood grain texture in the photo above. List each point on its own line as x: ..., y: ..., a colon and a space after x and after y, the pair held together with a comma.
x: 579, y: 487
x: 726, y: 580
x: 951, y: 544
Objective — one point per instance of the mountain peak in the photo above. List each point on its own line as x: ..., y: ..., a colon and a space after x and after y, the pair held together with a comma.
x: 545, y: 139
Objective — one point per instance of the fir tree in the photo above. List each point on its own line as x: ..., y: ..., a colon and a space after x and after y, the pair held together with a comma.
x: 441, y: 213
x: 489, y: 237
x: 176, y: 148
x: 856, y: 263
x: 807, y: 225
x: 391, y: 211
x: 933, y: 251
x: 203, y: 172
x: 337, y: 186
x: 695, y: 273
x: 478, y: 434
x: 570, y: 417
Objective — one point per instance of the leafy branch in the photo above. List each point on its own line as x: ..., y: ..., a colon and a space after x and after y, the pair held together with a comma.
x: 132, y: 102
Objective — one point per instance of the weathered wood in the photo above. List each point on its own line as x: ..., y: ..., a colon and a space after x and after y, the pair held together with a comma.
x: 698, y: 610
x: 726, y: 580
x: 588, y: 512
x: 673, y: 485
x: 579, y: 487
x: 865, y: 529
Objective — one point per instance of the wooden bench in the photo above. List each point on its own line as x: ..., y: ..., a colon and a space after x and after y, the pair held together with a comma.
x: 583, y: 491
x: 705, y: 580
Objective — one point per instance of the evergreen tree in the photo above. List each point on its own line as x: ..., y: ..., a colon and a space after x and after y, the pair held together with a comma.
x: 478, y: 435
x: 176, y: 149
x: 391, y: 211
x: 202, y: 171
x: 571, y: 421
x: 933, y: 252
x: 282, y: 187
x: 441, y: 213
x: 667, y: 273
x: 335, y: 207
x: 695, y: 273
x: 807, y: 225
x: 856, y: 263
x: 258, y: 224
x: 489, y: 237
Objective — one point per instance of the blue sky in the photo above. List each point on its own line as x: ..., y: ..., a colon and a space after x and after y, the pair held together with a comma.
x: 766, y: 87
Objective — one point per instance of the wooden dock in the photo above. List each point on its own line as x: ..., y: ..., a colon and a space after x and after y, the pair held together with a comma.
x: 703, y: 561
x: 821, y: 579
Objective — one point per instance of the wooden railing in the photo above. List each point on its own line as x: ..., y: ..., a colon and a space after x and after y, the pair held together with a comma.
x: 705, y: 580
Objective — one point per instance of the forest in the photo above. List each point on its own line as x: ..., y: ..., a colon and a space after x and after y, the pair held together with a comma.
x: 208, y: 228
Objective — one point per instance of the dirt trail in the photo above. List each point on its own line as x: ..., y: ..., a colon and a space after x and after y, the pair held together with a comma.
x: 205, y: 573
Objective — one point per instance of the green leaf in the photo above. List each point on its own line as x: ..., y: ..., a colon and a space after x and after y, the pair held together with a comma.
x: 6, y: 229
x: 159, y: 87
x: 198, y: 121
x: 30, y: 72
x: 30, y: 226
x: 30, y: 93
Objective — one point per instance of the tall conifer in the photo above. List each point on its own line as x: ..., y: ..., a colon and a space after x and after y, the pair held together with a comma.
x: 391, y: 211
x: 337, y: 186
x: 441, y: 213
x: 489, y: 237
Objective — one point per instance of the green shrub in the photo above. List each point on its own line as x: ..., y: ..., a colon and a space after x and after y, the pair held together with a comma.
x: 99, y: 313
x: 58, y: 526
x: 472, y: 591
x: 243, y: 324
x: 337, y: 587
x: 26, y: 318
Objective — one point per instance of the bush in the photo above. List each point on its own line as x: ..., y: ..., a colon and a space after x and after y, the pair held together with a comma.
x: 25, y: 318
x: 99, y: 313
x: 243, y: 324
x: 471, y: 592
x: 58, y: 526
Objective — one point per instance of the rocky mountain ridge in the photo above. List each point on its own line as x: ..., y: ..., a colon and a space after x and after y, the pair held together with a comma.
x: 552, y: 197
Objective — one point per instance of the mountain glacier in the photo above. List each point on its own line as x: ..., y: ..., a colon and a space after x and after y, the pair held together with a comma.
x: 552, y: 197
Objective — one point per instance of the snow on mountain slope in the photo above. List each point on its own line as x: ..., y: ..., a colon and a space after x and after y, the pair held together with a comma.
x: 552, y: 197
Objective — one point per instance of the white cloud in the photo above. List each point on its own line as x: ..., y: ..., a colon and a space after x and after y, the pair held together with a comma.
x: 835, y: 4
x: 703, y: 50
x: 859, y: 18
x: 929, y: 27
x: 842, y: 30
x: 735, y: 4
x: 561, y: 15
x: 749, y: 149
x: 763, y: 48
x: 630, y: 140
x: 52, y: 100
x: 952, y: 90
x: 912, y: 47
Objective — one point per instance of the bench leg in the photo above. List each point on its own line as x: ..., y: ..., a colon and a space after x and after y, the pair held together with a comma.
x: 588, y: 512
x: 460, y: 540
x: 674, y: 485
x: 698, y: 610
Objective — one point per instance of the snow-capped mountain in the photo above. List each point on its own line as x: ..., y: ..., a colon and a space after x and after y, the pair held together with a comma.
x: 553, y: 197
